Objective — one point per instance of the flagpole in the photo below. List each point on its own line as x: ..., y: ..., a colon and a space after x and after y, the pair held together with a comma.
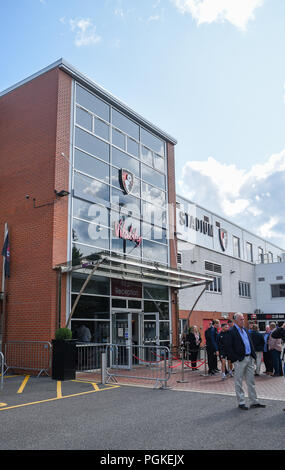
x: 4, y: 292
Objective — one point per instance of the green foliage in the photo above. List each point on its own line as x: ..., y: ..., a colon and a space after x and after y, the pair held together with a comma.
x: 63, y: 333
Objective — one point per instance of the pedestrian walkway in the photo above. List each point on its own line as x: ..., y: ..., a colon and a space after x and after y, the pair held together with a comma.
x: 267, y: 387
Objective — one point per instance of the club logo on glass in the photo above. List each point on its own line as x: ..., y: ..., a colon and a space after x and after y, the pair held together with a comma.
x: 126, y: 180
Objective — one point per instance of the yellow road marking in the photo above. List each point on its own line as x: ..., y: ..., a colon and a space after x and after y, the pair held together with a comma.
x: 57, y: 398
x: 95, y: 386
x: 58, y: 389
x: 24, y: 383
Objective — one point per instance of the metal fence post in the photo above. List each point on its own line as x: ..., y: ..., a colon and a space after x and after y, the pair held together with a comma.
x: 103, y: 368
x: 182, y: 381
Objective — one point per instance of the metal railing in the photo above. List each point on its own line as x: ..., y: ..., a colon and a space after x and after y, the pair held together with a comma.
x: 145, y: 362
x: 88, y: 356
x: 28, y: 355
x: 183, y: 361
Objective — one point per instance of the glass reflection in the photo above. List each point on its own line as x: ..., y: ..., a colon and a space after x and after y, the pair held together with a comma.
x: 90, y: 212
x: 91, y: 165
x: 89, y: 188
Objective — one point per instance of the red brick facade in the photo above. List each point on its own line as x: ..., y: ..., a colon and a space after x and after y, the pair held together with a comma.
x: 172, y: 236
x: 34, y: 131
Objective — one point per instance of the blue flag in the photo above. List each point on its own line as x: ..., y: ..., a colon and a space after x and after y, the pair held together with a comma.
x: 6, y: 253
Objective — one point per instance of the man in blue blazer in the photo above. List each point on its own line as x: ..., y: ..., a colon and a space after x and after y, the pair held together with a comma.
x: 241, y: 352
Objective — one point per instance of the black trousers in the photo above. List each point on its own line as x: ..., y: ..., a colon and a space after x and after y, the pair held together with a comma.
x: 193, y: 358
x: 268, y: 361
x: 212, y: 359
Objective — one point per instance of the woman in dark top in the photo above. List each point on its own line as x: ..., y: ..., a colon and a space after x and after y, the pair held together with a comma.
x: 194, y: 341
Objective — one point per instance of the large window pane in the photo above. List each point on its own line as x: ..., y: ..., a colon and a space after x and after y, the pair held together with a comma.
x: 118, y: 139
x: 91, y: 307
x: 92, y: 144
x: 91, y: 165
x: 155, y: 233
x: 102, y: 129
x: 146, y: 156
x: 158, y: 162
x: 163, y: 330
x: 83, y: 118
x: 91, y: 212
x: 151, y: 291
x: 97, y: 284
x: 133, y: 147
x: 100, y: 333
x: 125, y: 201
x: 154, y: 214
x: 152, y: 142
x: 122, y: 160
x: 90, y: 234
x: 83, y: 251
x: 154, y: 251
x: 90, y: 189
x: 161, y: 307
x: 153, y: 195
x: 125, y: 124
x: 91, y: 102
x: 153, y: 177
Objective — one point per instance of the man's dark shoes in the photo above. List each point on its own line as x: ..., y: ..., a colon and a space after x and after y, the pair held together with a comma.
x: 243, y: 407
x: 257, y: 405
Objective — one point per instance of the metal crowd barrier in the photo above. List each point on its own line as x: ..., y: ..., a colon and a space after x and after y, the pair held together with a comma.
x: 88, y: 357
x: 181, y: 361
x: 145, y: 362
x: 28, y: 355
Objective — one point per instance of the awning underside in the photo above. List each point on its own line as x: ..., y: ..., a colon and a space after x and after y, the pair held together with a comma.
x: 126, y: 268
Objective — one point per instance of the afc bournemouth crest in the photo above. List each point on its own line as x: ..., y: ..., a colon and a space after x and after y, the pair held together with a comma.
x: 223, y: 237
x: 126, y: 180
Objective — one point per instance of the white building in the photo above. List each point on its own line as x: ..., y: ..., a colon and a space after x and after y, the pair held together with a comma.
x: 270, y: 292
x: 233, y: 256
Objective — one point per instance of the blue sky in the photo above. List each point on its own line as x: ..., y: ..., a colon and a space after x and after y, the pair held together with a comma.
x: 211, y: 73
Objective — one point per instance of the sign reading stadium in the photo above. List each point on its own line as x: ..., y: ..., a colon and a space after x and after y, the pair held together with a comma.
x: 196, y: 224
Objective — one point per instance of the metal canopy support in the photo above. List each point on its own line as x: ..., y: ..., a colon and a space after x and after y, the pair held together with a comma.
x: 82, y: 290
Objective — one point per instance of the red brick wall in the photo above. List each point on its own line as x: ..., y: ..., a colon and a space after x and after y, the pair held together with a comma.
x: 34, y: 130
x: 172, y: 237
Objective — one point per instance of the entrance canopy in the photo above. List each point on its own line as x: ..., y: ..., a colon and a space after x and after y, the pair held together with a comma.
x: 126, y: 268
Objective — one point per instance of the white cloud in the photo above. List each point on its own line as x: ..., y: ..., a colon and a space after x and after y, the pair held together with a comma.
x: 119, y: 12
x: 85, y: 32
x: 153, y: 18
x: 253, y: 199
x: 237, y: 12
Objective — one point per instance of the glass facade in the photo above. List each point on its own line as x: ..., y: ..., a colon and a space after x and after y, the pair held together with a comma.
x: 106, y: 141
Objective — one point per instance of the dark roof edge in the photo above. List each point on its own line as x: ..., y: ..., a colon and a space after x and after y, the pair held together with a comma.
x: 90, y: 84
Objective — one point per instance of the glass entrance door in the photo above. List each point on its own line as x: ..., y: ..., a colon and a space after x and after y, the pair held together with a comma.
x: 126, y: 334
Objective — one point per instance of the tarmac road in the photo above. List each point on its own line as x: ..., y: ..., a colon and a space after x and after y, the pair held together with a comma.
x: 132, y: 418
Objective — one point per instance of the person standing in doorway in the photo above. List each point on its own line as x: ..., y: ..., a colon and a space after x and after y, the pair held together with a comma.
x: 241, y: 352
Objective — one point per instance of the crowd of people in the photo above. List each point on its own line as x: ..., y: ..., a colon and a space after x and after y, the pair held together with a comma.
x: 240, y: 352
x: 266, y: 347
